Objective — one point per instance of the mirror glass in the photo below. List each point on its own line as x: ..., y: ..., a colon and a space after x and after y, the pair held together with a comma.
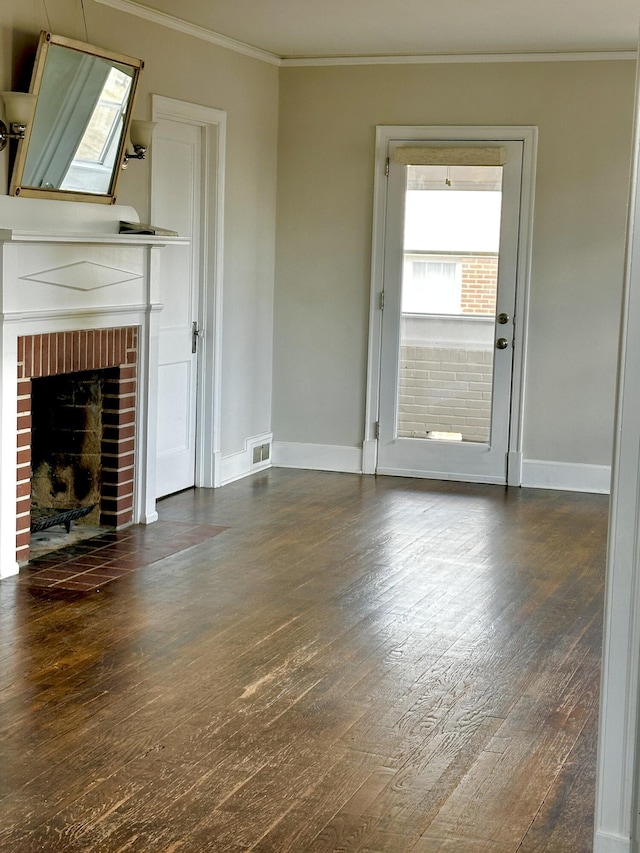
x: 74, y: 146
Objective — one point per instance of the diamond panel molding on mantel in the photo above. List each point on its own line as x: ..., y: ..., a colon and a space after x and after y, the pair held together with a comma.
x: 84, y: 275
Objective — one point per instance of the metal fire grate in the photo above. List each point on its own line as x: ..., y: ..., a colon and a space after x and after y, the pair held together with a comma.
x: 42, y: 518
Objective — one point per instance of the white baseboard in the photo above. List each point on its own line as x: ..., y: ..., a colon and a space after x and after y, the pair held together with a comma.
x: 566, y: 476
x: 369, y: 455
x: 317, y: 457
x: 9, y: 569
x: 605, y: 843
x: 514, y: 467
x: 241, y: 464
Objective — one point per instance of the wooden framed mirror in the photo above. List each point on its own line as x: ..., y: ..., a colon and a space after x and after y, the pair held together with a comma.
x: 75, y: 145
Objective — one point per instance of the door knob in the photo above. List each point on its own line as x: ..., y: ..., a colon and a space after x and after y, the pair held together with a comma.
x: 503, y: 318
x: 502, y: 343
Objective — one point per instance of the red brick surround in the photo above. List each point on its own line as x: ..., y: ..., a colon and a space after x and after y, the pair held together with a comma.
x: 69, y: 352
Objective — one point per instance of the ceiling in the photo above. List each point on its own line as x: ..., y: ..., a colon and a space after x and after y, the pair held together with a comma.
x: 330, y: 28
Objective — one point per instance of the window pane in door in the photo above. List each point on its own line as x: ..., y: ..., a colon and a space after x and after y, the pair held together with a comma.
x: 449, y: 287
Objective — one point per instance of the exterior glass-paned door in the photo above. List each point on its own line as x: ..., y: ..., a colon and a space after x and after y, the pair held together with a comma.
x: 450, y: 264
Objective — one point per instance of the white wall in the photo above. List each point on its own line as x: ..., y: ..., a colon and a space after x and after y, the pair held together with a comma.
x: 618, y: 779
x: 181, y: 67
x: 328, y: 117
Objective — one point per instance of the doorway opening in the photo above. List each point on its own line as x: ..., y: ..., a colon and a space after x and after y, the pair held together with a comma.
x: 452, y: 231
x: 187, y: 194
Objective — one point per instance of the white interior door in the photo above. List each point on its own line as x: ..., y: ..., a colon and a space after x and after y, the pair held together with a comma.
x: 176, y: 204
x: 452, y: 226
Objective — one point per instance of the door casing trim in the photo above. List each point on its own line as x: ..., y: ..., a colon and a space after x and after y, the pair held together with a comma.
x: 386, y: 134
x: 209, y: 388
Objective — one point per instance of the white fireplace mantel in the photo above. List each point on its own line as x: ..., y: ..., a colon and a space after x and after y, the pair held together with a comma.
x: 13, y: 235
x: 65, y: 267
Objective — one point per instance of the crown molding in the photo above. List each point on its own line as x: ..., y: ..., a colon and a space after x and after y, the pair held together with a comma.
x: 451, y: 58
x: 193, y: 30
x: 132, y: 7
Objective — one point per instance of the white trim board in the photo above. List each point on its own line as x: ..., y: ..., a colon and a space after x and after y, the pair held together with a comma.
x: 566, y: 476
x: 180, y: 25
x: 604, y: 843
x: 449, y: 476
x: 618, y: 765
x: 563, y: 476
x: 237, y: 465
x: 214, y: 128
x: 458, y: 58
x: 317, y: 457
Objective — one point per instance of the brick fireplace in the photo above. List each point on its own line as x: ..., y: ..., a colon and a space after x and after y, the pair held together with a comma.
x: 64, y: 353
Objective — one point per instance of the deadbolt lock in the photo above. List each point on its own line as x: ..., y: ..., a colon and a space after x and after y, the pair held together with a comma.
x: 502, y: 343
x: 503, y: 318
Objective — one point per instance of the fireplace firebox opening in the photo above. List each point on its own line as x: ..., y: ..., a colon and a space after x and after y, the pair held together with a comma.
x: 66, y: 449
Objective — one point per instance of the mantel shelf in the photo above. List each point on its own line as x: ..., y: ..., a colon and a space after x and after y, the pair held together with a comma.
x: 10, y: 235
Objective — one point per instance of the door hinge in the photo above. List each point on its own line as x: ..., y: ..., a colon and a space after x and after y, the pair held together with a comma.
x: 377, y: 429
x: 386, y: 168
x: 381, y: 300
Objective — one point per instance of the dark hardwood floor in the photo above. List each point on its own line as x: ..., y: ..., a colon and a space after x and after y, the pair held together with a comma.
x: 357, y: 664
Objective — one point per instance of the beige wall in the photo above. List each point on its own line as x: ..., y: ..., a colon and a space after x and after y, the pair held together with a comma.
x: 188, y: 69
x: 325, y: 187
x: 325, y: 184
